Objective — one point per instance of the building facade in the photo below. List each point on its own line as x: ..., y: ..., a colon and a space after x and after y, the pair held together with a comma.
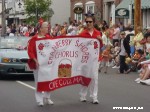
x: 102, y: 8
x: 16, y: 11
x: 145, y: 12
x: 95, y: 6
x: 109, y: 10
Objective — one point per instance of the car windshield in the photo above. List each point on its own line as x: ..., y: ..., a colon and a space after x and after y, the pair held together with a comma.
x: 13, y: 42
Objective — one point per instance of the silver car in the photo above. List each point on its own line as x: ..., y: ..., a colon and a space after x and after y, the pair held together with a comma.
x: 13, y: 56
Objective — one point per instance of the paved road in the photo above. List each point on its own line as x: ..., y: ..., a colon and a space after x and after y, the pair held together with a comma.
x: 115, y: 90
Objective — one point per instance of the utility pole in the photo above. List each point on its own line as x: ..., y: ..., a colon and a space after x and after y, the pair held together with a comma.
x: 137, y: 14
x: 3, y: 19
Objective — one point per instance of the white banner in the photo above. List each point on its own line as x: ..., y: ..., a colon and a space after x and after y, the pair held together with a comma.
x: 66, y: 61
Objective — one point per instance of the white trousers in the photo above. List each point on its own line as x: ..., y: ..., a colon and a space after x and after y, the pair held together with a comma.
x: 93, y: 86
x: 39, y: 95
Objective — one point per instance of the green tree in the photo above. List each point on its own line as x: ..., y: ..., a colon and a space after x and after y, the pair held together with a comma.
x: 36, y: 9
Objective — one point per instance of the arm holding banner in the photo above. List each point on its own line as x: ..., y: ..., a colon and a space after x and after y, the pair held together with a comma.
x: 90, y: 31
x: 32, y: 62
x: 41, y: 97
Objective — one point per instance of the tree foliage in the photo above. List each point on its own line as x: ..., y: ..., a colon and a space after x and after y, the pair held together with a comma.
x: 37, y: 8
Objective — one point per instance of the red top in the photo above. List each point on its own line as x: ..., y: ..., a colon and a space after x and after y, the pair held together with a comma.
x: 32, y: 45
x: 94, y: 35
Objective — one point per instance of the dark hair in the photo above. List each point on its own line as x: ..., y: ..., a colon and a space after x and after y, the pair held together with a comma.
x: 103, y: 28
x: 93, y: 18
x: 106, y: 26
x: 140, y: 51
x: 89, y: 14
x: 129, y: 29
x: 147, y: 35
x: 105, y: 23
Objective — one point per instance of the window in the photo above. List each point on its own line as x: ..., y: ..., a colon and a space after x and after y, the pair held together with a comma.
x: 90, y: 6
x: 78, y: 17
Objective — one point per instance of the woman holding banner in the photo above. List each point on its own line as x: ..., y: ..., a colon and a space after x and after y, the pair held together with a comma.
x: 91, y: 32
x: 42, y: 27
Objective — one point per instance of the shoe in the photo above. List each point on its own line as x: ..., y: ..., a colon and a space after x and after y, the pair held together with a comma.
x: 111, y: 64
x: 95, y: 101
x: 82, y: 99
x: 48, y: 101
x: 126, y: 72
x: 143, y: 82
x: 146, y: 82
x: 120, y: 72
x: 40, y: 104
x: 138, y: 79
x: 116, y: 66
x: 105, y: 72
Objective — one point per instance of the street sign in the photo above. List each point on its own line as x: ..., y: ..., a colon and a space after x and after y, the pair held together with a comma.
x: 78, y: 10
x: 122, y: 13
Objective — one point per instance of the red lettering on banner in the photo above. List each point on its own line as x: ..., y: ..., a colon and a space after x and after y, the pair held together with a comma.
x: 64, y: 54
x: 62, y: 43
x: 67, y: 53
x: 62, y: 82
x: 84, y: 59
x: 84, y: 49
x: 59, y: 44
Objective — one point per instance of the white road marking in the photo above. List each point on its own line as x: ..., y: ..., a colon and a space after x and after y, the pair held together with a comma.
x: 27, y: 85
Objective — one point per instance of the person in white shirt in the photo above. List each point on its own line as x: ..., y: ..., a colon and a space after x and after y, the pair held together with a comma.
x: 25, y: 29
x: 116, y: 33
x: 124, y: 52
x: 105, y: 39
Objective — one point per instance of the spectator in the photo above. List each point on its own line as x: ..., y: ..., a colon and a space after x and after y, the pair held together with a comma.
x: 105, y: 59
x: 124, y: 51
x: 116, y: 34
x: 145, y: 74
x: 138, y: 37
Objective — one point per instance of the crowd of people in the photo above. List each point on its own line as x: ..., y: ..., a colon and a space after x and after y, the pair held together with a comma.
x: 120, y: 48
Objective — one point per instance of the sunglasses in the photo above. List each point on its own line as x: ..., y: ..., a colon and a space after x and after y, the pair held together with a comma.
x: 89, y: 21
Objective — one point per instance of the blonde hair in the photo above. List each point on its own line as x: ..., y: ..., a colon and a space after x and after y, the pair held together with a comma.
x: 44, y: 24
x: 39, y: 25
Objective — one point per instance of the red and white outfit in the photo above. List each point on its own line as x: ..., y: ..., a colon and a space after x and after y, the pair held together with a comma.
x: 33, y: 54
x: 93, y: 86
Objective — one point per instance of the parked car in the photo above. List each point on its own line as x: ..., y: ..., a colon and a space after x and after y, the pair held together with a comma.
x: 13, y: 56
